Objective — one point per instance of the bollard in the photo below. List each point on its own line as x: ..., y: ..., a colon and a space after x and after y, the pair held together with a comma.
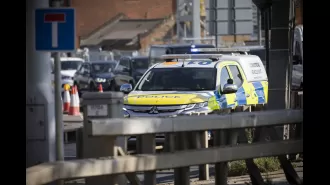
x: 102, y: 105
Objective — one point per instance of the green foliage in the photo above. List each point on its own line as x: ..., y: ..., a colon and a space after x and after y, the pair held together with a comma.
x: 249, y: 135
x: 266, y: 164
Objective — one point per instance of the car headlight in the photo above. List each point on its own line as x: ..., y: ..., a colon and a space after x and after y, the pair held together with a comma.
x: 100, y: 80
x: 125, y: 113
x: 196, y: 105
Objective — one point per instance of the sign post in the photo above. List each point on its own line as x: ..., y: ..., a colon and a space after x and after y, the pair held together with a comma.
x: 55, y: 32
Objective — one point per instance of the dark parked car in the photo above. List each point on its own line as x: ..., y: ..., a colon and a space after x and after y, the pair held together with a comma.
x: 91, y: 74
x: 129, y: 68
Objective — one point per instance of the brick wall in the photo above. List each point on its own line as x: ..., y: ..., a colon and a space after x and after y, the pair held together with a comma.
x: 93, y: 13
x: 239, y: 38
x: 156, y: 36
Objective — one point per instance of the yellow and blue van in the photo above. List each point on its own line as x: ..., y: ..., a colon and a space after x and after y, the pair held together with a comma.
x: 197, y: 84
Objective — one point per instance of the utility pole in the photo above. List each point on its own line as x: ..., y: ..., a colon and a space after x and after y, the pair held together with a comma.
x: 40, y: 122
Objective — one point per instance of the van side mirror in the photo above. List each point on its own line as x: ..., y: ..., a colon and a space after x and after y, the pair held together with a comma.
x: 229, y: 88
x: 126, y: 88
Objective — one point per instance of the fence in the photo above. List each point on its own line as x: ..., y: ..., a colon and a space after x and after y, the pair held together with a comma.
x: 106, y: 132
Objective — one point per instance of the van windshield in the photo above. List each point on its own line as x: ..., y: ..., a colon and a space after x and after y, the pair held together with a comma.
x: 178, y: 79
x: 70, y: 64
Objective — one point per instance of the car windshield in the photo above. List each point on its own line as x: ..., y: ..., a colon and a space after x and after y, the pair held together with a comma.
x: 103, y: 67
x: 70, y: 65
x: 178, y: 79
x: 140, y: 63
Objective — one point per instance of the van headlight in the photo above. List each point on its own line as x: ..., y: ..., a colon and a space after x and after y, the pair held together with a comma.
x: 196, y: 105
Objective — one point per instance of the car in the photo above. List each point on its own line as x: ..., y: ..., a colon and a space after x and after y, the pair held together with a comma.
x: 130, y: 69
x: 69, y: 66
x: 91, y: 74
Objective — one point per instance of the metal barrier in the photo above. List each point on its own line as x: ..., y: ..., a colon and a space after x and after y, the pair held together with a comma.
x: 105, y: 167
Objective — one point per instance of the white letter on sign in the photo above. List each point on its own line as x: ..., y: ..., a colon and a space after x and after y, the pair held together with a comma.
x: 54, y: 35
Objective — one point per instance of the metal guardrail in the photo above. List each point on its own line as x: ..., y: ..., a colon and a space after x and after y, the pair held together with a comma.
x: 48, y: 172
x: 140, y: 126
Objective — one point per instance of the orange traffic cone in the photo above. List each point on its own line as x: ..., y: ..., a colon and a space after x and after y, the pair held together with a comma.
x: 74, y: 104
x: 100, y: 88
x: 67, y: 99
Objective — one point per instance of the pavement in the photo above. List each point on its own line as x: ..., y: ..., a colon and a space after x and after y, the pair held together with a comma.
x: 166, y: 177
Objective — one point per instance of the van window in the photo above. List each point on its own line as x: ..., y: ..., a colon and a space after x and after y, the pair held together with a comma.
x: 224, y: 76
x: 70, y: 64
x: 237, y: 77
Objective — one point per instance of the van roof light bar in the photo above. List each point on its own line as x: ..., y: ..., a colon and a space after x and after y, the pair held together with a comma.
x: 220, y: 50
x: 191, y: 56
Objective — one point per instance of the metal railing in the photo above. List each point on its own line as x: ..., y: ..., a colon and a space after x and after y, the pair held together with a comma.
x: 181, y: 156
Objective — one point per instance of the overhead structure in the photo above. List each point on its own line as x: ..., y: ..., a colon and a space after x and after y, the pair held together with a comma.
x: 231, y: 18
x: 188, y: 22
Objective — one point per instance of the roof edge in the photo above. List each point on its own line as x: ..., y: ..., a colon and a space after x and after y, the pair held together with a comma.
x: 145, y: 20
x: 114, y: 19
x: 164, y: 20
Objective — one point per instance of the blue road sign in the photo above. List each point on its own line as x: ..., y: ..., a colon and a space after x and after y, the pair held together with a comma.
x: 55, y: 29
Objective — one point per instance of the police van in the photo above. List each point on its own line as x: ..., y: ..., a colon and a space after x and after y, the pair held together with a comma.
x: 188, y: 84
